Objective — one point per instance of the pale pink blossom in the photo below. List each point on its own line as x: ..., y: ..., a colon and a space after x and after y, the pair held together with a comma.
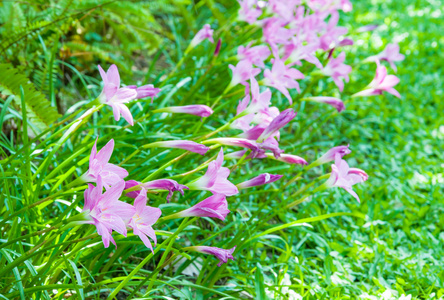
x: 282, y: 78
x: 338, y: 70
x: 249, y: 11
x: 222, y: 254
x: 335, y: 102
x: 331, y: 154
x: 143, y: 219
x: 390, y: 54
x: 243, y: 71
x: 195, y: 109
x: 345, y: 177
x: 275, y: 33
x: 259, y: 180
x: 215, y: 179
x: 205, y: 33
x: 331, y: 38
x: 289, y: 159
x: 295, y: 51
x: 182, y: 144
x: 115, y: 96
x: 99, y: 166
x: 144, y: 91
x: 255, y: 55
x: 105, y: 211
x: 215, y: 206
x: 159, y: 184
x: 381, y: 83
x: 280, y: 121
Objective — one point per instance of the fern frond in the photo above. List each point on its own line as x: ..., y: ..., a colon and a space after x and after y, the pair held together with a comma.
x: 39, y: 109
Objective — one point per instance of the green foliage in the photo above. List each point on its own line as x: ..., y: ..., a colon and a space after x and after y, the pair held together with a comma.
x: 39, y: 109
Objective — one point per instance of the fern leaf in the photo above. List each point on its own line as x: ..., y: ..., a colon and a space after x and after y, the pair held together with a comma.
x: 39, y: 109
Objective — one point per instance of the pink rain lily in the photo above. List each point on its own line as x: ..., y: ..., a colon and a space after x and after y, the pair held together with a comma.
x: 105, y: 211
x: 272, y: 145
x: 275, y: 33
x: 159, y: 184
x: 289, y: 159
x: 182, y: 144
x: 197, y: 110
x: 345, y: 177
x: 335, y: 102
x: 144, y: 91
x: 331, y: 154
x: 205, y: 33
x: 255, y: 55
x: 215, y: 179
x: 280, y: 121
x: 338, y: 70
x: 215, y: 206
x: 331, y: 38
x: 143, y: 219
x: 381, y: 83
x: 249, y: 11
x: 115, y: 96
x: 99, y: 166
x: 259, y: 180
x: 242, y: 72
x: 222, y: 254
x: 282, y: 78
x: 295, y: 51
x: 390, y: 54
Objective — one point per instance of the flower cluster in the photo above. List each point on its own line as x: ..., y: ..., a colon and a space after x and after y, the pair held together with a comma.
x: 292, y: 34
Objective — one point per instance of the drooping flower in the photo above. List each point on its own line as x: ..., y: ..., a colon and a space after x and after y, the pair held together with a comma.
x: 205, y: 33
x: 215, y: 179
x: 280, y: 121
x: 249, y: 11
x: 115, y: 96
x: 143, y: 219
x: 159, y: 184
x: 182, y: 144
x: 222, y: 254
x: 390, y: 54
x: 255, y: 55
x: 345, y: 177
x: 259, y: 180
x: 215, y: 206
x: 197, y: 110
x: 335, y: 102
x: 242, y: 72
x: 282, y: 78
x: 145, y: 91
x: 105, y: 211
x: 99, y: 166
x: 330, y: 155
x: 338, y: 70
x: 289, y: 159
x: 381, y: 83
x: 236, y: 142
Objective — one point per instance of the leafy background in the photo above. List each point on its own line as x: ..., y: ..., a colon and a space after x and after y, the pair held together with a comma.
x: 399, y: 142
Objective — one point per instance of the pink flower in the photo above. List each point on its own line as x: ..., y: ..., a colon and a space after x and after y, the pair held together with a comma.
x: 345, y: 177
x: 381, y: 83
x: 222, y: 254
x: 335, y: 102
x: 295, y: 51
x: 272, y: 145
x: 215, y: 206
x: 331, y: 38
x: 197, y: 110
x: 255, y: 55
x: 105, y: 211
x: 330, y: 155
x: 115, y: 96
x: 289, y: 159
x: 390, y: 54
x: 280, y: 121
x: 143, y: 219
x: 242, y: 71
x: 282, y: 78
x: 99, y: 166
x: 274, y: 32
x: 259, y: 180
x: 338, y: 71
x: 183, y: 144
x: 205, y: 33
x: 236, y: 142
x: 144, y: 91
x: 215, y: 179
x: 159, y: 184
x: 248, y: 12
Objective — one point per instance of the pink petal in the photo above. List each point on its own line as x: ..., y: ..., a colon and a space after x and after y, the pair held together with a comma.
x: 113, y: 75
x: 103, y: 75
x: 105, y: 153
x: 126, y: 114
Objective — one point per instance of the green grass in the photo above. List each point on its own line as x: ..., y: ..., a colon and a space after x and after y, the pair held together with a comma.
x: 329, y: 247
